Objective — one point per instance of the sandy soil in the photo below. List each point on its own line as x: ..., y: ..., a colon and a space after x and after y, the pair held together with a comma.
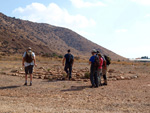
x: 120, y: 96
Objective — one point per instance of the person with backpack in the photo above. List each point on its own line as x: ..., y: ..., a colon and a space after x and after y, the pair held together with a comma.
x: 94, y: 61
x: 28, y: 62
x: 100, y: 68
x: 68, y: 60
x: 106, y: 63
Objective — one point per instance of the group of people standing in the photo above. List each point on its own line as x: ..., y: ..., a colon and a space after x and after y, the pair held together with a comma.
x: 96, y: 70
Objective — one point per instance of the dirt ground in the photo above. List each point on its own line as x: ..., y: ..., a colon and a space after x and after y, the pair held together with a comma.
x: 44, y: 96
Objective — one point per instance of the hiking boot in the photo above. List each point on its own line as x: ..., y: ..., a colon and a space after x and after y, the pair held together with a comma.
x: 30, y: 84
x: 104, y: 84
x: 25, y: 84
x: 100, y: 84
x: 70, y: 77
x: 92, y: 86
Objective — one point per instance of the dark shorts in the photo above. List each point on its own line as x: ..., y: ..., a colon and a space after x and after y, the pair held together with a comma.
x: 29, y: 69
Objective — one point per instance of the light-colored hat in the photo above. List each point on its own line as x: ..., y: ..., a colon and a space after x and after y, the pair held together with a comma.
x: 93, y: 51
x: 29, y: 48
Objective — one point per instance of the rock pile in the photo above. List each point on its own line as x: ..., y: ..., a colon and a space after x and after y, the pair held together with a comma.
x: 57, y: 73
x: 117, y: 75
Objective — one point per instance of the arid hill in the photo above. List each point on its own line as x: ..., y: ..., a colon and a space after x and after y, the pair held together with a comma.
x: 16, y: 35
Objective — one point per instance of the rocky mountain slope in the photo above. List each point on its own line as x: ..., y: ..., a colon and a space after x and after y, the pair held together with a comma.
x: 16, y: 35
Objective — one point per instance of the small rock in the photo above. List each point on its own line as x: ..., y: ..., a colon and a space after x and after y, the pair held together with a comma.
x: 41, y: 68
x: 85, y: 80
x: 111, y: 70
x: 78, y: 74
x: 131, y: 72
x: 14, y: 71
x: 4, y: 73
x: 122, y: 78
x: 73, y: 79
x: 14, y: 74
x: 46, y: 77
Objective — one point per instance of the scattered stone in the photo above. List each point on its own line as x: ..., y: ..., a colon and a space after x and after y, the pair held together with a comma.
x: 122, y: 78
x: 21, y: 72
x: 14, y: 74
x: 111, y: 71
x: 133, y: 77
x: 78, y: 74
x: 111, y: 76
x: 131, y: 72
x: 46, y: 77
x: 14, y: 71
x: 85, y: 80
x: 4, y: 73
x: 73, y: 79
x: 58, y: 73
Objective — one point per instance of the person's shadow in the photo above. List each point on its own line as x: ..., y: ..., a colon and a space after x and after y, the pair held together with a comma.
x: 9, y: 87
x: 76, y: 88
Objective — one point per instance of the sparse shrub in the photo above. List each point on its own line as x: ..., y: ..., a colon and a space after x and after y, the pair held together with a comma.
x: 48, y: 69
x: 64, y: 75
x: 76, y: 58
x: 45, y: 55
x: 86, y: 75
x: 50, y: 79
x: 54, y: 55
x: 60, y: 56
x: 64, y: 86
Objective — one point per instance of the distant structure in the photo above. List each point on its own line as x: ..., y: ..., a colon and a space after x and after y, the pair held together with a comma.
x: 144, y: 57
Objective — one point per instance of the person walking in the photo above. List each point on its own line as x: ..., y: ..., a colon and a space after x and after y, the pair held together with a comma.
x: 68, y: 60
x: 28, y: 62
x: 93, y: 69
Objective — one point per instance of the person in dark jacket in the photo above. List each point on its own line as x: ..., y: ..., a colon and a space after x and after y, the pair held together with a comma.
x: 68, y: 60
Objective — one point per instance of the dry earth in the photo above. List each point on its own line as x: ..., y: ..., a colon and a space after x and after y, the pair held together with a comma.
x: 128, y: 90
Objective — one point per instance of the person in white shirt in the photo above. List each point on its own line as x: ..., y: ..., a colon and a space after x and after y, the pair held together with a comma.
x: 28, y: 62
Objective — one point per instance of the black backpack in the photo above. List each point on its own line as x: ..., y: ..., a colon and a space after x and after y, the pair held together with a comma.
x: 28, y: 57
x: 70, y: 61
x: 108, y: 59
x: 96, y: 61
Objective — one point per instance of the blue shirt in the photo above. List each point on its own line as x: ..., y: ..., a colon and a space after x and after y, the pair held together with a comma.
x: 92, y: 59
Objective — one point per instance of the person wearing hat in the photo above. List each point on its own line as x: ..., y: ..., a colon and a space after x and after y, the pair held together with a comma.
x: 93, y: 69
x: 68, y: 60
x: 28, y: 63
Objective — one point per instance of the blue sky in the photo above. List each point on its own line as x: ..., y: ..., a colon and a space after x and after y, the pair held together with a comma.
x: 122, y: 26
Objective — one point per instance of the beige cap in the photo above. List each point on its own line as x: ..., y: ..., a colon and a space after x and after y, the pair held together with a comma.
x: 93, y: 51
x: 29, y: 48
